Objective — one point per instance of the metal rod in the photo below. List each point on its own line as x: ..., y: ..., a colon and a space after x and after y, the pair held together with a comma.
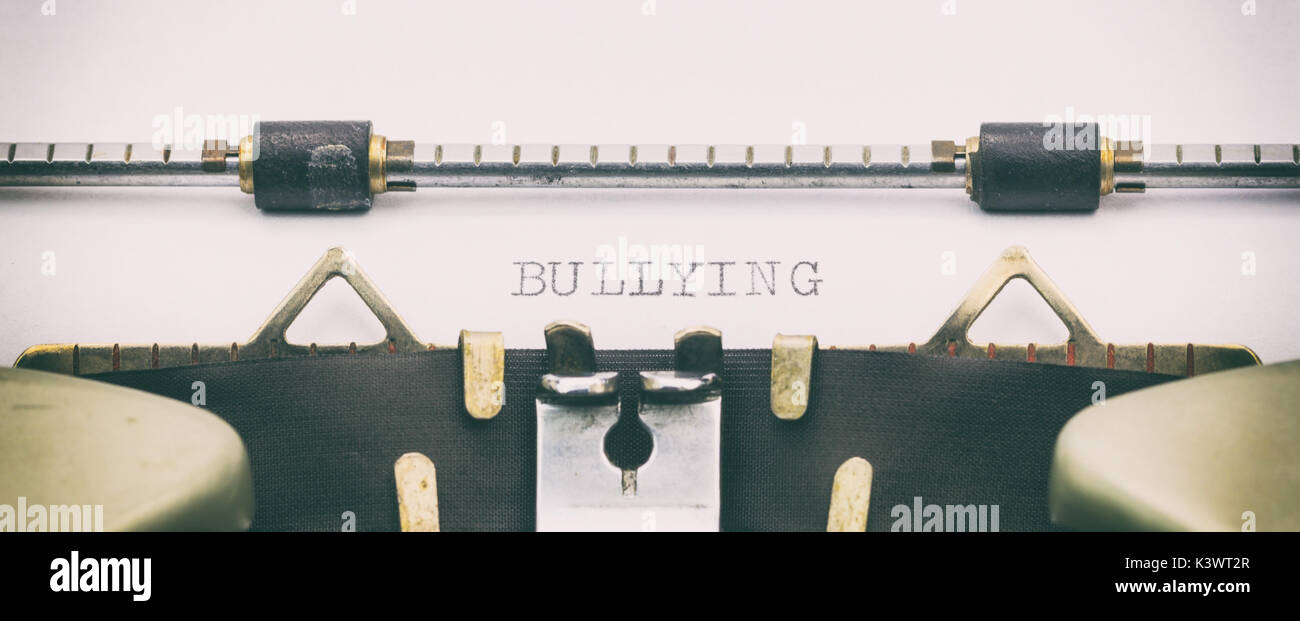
x: 1216, y: 166
x: 111, y: 164
x: 648, y: 166
x: 679, y: 166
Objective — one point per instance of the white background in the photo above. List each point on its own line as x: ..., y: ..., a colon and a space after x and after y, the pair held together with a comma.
x: 183, y: 265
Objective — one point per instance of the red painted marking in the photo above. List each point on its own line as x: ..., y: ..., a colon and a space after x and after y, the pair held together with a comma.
x: 1033, y: 353
x: 431, y: 347
x: 1151, y: 357
x: 911, y: 348
x: 1191, y: 361
x: 1110, y: 355
x: 871, y: 348
x: 1069, y: 353
x: 117, y: 358
x: 392, y: 346
x: 952, y: 349
x: 352, y: 348
x: 992, y: 351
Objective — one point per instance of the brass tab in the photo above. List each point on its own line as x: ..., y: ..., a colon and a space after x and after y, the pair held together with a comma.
x: 792, y: 360
x: 399, y: 161
x: 850, y: 497
x: 483, y: 364
x: 944, y: 155
x: 417, y: 493
x: 213, y: 156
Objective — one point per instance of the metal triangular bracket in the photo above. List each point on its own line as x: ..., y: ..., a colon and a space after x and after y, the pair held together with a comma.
x: 269, y: 341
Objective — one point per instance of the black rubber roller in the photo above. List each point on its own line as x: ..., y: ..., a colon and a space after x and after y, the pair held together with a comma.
x: 312, y: 166
x: 1033, y: 167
